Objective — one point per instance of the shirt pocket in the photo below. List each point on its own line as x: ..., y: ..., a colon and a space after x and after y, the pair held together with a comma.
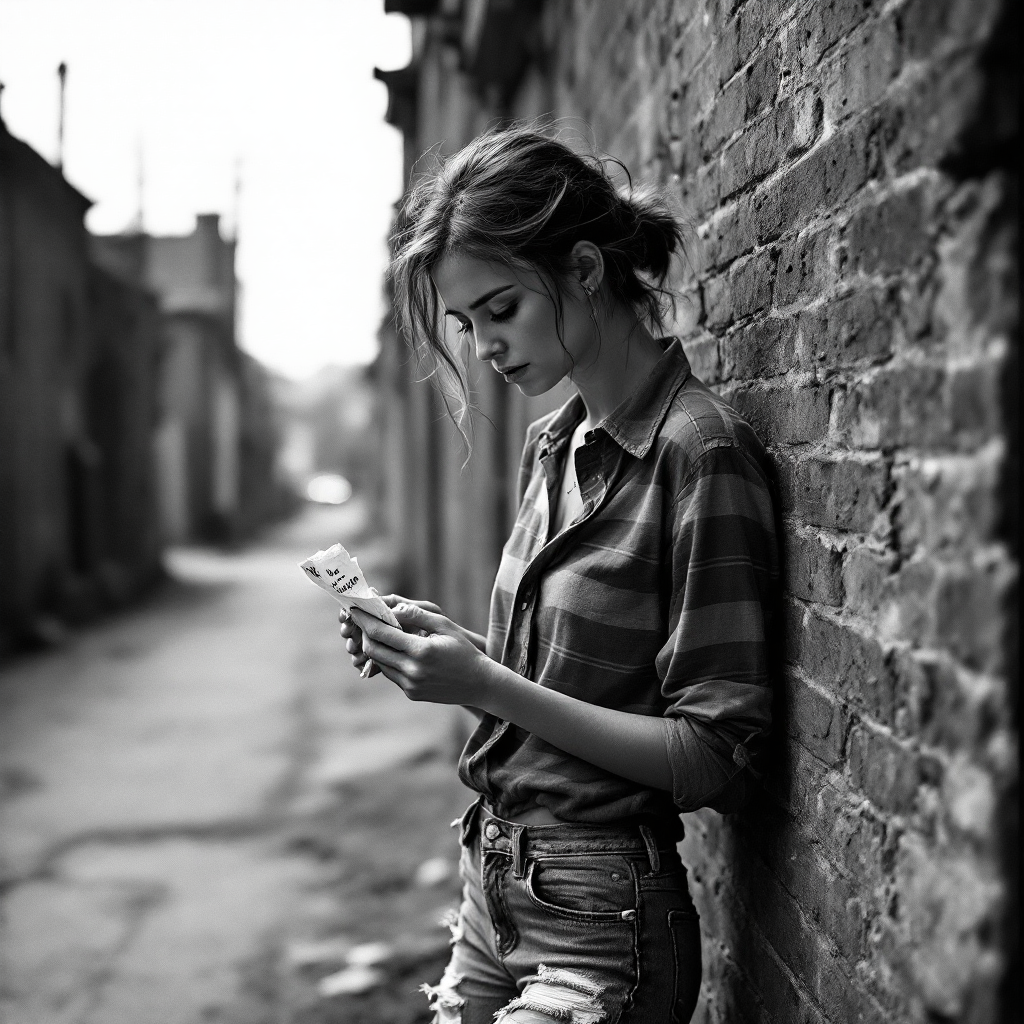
x: 599, y: 889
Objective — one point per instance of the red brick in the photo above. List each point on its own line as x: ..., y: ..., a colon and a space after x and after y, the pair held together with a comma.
x: 814, y: 568
x: 895, y: 408
x: 814, y: 719
x: 804, y: 268
x: 890, y: 236
x: 702, y: 352
x: 777, y: 987
x: 930, y: 26
x: 827, y: 176
x: 885, y: 771
x: 974, y: 613
x: 824, y: 24
x: 928, y: 120
x: 949, y: 503
x: 847, y: 663
x: 762, y: 80
x: 729, y: 234
x: 747, y: 290
x: 717, y: 301
x: 757, y: 152
x: 849, y: 330
x: 866, y: 572
x: 842, y: 494
x: 808, y: 119
x: 725, y: 118
x: 796, y: 779
x: 860, y: 74
x: 853, y: 836
x: 764, y: 348
x: 759, y: 20
x: 783, y: 415
x: 975, y: 402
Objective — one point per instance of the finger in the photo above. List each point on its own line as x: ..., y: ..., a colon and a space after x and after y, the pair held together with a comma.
x: 349, y: 629
x: 354, y: 647
x: 384, y: 634
x: 414, y: 617
x: 388, y: 658
x: 394, y: 599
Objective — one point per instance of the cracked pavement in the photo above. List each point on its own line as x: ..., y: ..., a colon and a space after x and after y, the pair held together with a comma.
x: 189, y: 786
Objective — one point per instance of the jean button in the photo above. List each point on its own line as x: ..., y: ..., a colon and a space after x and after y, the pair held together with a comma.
x: 492, y: 831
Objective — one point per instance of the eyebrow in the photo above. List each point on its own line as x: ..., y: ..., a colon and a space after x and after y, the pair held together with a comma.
x: 483, y: 298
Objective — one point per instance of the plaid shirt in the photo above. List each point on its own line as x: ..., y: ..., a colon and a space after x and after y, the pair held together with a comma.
x: 657, y: 600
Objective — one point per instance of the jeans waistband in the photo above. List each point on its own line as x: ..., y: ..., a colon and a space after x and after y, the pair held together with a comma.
x: 565, y: 838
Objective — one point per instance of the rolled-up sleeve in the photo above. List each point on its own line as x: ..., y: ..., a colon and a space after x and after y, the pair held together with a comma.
x: 715, y: 665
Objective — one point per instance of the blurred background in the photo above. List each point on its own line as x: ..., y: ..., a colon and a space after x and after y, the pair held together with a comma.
x: 205, y: 814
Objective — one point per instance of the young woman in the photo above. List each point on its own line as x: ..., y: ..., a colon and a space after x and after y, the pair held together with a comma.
x: 624, y: 677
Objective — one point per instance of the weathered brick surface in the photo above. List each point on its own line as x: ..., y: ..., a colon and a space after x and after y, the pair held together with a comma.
x: 857, y: 283
x: 848, y: 167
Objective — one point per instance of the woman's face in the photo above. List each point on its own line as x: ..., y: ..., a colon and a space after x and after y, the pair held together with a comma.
x: 512, y: 321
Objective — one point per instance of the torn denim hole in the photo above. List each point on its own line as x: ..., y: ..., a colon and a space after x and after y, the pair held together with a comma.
x: 452, y: 920
x: 568, y: 997
x: 444, y: 998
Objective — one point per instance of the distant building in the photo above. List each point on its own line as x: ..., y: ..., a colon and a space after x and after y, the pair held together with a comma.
x: 77, y: 404
x: 210, y: 393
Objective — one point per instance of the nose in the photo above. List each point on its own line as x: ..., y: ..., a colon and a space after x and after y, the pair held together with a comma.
x: 487, y: 347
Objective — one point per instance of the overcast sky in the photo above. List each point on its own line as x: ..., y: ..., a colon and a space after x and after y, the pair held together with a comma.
x: 280, y: 92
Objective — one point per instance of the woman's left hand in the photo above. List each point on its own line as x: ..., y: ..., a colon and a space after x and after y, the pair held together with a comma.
x: 433, y: 660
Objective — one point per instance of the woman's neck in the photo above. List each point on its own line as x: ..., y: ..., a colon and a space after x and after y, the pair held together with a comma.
x: 624, y: 357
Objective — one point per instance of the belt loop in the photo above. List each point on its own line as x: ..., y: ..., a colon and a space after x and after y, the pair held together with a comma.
x: 652, y: 849
x: 467, y: 821
x: 519, y: 851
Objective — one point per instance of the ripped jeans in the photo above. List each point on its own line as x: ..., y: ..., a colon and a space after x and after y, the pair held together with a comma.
x: 574, y: 923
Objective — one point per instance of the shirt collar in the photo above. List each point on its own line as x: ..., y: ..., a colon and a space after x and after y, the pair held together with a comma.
x: 636, y: 422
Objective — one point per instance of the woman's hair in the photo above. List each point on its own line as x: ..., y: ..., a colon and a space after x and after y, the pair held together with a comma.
x: 521, y: 198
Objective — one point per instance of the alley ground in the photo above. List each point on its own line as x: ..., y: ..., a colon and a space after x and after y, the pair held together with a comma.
x: 205, y: 812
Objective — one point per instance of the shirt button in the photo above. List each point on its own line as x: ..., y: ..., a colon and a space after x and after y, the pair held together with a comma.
x: 492, y: 831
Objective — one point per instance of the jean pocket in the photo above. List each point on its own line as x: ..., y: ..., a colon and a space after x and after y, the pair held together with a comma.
x: 596, y: 889
x: 684, y: 926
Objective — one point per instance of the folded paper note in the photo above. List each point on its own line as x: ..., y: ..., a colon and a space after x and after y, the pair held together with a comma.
x: 337, y: 572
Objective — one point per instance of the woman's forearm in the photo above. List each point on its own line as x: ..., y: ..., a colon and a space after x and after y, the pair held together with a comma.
x: 633, y: 746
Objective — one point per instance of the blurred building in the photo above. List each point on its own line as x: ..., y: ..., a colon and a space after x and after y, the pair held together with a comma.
x: 78, y: 356
x: 330, y: 427
x: 215, y: 419
x: 450, y: 519
x: 851, y: 171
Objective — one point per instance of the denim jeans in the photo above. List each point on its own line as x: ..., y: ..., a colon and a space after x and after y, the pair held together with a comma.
x: 573, y: 923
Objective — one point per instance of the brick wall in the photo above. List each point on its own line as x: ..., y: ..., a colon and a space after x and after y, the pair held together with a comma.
x: 848, y: 167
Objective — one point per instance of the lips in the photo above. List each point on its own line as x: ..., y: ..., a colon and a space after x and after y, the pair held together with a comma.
x: 511, y: 372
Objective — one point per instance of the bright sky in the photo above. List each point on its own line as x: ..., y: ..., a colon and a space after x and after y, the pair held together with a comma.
x: 281, y: 91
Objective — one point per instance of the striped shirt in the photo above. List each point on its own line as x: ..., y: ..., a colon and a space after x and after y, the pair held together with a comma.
x: 657, y: 600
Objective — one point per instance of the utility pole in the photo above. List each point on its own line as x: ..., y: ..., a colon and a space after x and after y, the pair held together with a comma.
x: 140, y: 185
x: 237, y: 212
x: 62, y: 74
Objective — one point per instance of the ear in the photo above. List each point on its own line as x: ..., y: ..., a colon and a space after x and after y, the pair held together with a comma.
x: 588, y: 264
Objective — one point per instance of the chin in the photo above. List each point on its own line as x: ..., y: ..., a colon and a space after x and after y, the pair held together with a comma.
x: 534, y: 387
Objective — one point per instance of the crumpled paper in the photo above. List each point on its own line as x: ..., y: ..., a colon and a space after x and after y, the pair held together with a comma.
x: 337, y: 572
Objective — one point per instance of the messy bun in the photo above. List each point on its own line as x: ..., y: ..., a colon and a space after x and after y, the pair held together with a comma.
x: 520, y: 197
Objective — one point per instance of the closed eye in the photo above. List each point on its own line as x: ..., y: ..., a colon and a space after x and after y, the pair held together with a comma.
x: 501, y: 315
x: 464, y: 327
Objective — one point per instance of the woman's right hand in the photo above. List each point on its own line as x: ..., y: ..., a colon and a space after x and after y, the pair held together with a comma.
x: 354, y: 635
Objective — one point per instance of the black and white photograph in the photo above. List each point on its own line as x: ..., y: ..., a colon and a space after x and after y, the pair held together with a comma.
x: 509, y: 512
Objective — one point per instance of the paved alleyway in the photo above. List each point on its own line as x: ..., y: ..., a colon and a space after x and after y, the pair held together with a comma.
x: 202, y: 806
